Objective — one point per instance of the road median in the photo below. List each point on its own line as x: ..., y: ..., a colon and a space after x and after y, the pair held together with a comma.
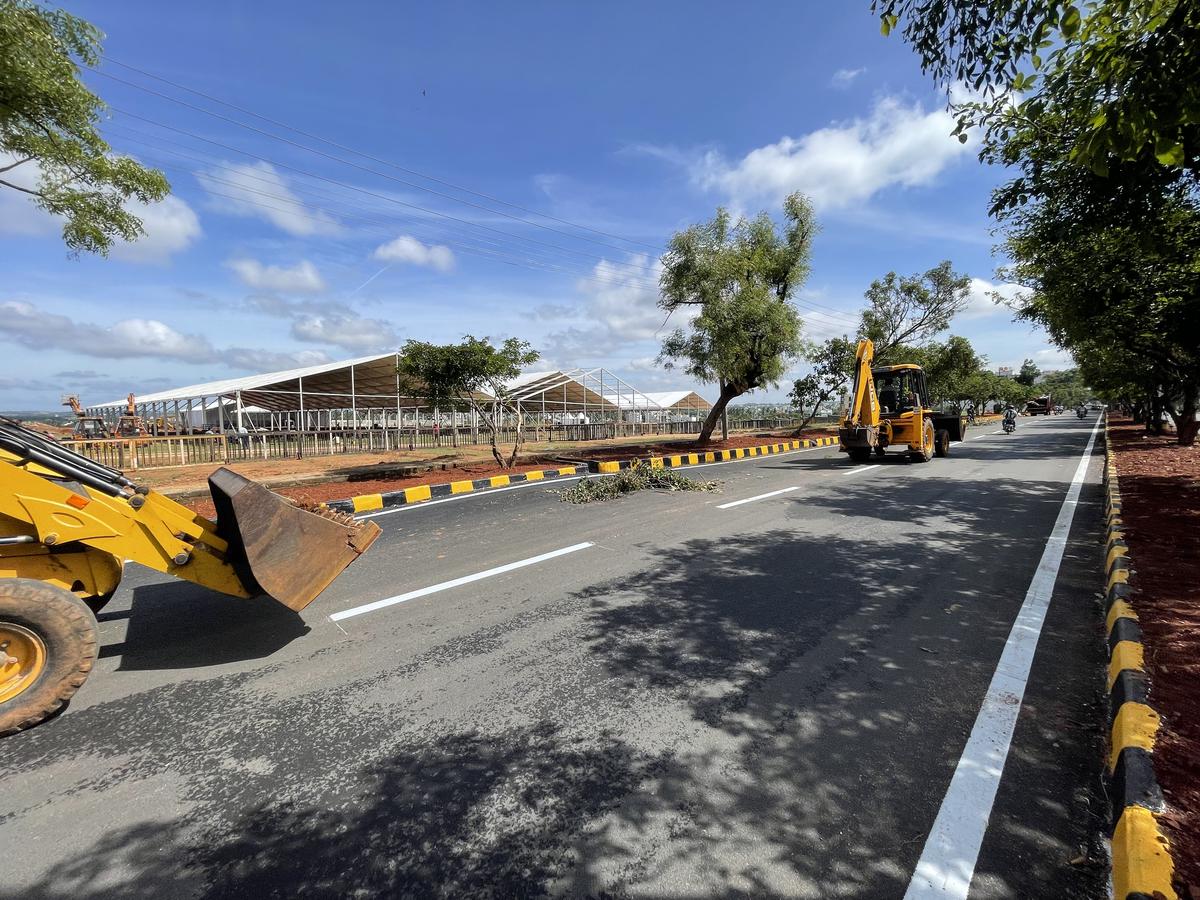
x: 367, y: 503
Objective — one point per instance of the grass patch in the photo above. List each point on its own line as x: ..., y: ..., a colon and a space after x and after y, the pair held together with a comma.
x: 638, y: 477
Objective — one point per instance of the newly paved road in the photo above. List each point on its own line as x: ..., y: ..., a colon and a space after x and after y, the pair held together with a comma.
x: 768, y: 699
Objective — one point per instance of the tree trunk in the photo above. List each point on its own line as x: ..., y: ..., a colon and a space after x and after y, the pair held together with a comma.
x: 518, y: 441
x: 1186, y: 426
x: 728, y: 392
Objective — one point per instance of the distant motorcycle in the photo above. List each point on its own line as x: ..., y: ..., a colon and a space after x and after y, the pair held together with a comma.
x: 1009, y: 426
x: 1081, y: 412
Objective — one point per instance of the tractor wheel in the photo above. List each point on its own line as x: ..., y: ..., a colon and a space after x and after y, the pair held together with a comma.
x: 925, y: 454
x: 880, y: 451
x: 942, y: 445
x: 47, y: 647
x: 859, y: 454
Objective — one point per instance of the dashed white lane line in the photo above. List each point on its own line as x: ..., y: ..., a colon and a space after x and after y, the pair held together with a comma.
x: 947, y: 863
x: 759, y: 497
x: 855, y: 471
x: 457, y: 582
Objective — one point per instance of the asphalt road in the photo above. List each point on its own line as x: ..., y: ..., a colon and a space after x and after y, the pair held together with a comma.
x: 767, y: 699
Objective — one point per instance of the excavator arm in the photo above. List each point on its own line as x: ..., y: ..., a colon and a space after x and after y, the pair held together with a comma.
x: 864, y: 405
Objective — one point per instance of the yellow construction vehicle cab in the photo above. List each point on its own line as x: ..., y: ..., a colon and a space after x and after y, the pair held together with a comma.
x: 889, y: 407
x: 68, y: 525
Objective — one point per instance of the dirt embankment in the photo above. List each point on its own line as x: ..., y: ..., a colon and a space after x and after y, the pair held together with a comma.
x: 1160, y: 494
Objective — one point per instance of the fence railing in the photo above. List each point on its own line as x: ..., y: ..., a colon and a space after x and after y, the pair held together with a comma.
x: 185, y: 450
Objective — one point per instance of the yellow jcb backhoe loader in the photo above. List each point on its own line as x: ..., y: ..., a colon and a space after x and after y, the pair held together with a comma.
x: 68, y: 525
x: 889, y: 406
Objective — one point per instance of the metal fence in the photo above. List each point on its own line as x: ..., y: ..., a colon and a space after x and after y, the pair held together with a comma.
x: 184, y: 450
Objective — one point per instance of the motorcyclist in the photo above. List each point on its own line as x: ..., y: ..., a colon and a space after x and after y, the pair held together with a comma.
x: 1081, y: 411
x: 970, y: 413
x: 1010, y: 415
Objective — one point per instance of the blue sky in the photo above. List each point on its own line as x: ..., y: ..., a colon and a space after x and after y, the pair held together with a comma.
x: 458, y: 124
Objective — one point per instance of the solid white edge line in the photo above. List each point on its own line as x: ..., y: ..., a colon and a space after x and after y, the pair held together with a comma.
x: 947, y: 864
x: 457, y: 582
x: 759, y: 497
x: 552, y: 481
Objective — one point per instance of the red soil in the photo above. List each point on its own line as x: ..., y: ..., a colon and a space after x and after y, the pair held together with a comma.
x: 1160, y: 493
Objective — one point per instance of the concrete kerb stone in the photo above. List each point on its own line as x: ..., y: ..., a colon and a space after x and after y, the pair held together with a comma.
x: 420, y: 493
x: 1141, y: 855
x: 682, y: 460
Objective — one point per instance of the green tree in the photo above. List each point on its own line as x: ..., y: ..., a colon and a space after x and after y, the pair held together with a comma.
x: 1028, y: 375
x: 48, y: 124
x: 832, y: 366
x: 904, y: 311
x: 473, y: 375
x: 1124, y: 74
x: 740, y: 277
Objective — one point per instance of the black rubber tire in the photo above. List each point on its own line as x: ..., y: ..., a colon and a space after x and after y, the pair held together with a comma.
x: 880, y: 452
x: 925, y: 454
x: 941, y: 443
x: 859, y: 454
x: 67, y: 628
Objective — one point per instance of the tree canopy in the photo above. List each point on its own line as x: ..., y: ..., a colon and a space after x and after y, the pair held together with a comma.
x: 473, y: 375
x: 903, y: 315
x: 1124, y: 73
x: 1095, y: 108
x: 739, y: 277
x: 48, y: 122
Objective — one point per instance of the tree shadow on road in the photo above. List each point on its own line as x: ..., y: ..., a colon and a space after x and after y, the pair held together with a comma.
x: 766, y: 714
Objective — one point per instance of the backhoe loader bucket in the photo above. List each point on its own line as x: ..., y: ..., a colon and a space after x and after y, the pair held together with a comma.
x: 278, y: 549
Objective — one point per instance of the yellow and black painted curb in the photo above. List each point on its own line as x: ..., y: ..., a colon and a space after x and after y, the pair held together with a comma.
x: 422, y: 492
x: 682, y: 460
x: 1141, y: 855
x: 372, y: 502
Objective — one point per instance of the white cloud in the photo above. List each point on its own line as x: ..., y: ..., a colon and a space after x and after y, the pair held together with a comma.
x: 26, y: 324
x: 348, y: 331
x: 407, y: 249
x: 253, y: 360
x: 845, y: 77
x: 170, y: 225
x: 980, y: 302
x: 258, y: 190
x: 619, y: 310
x: 843, y: 164
x: 18, y: 213
x: 302, y: 278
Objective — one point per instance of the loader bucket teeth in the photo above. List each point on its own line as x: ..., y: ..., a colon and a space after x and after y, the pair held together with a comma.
x: 278, y: 549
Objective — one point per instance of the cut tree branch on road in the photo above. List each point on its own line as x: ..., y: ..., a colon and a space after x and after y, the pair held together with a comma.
x: 738, y: 279
x: 471, y: 375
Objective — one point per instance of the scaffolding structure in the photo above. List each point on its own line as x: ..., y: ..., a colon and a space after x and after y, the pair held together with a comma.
x: 346, y: 399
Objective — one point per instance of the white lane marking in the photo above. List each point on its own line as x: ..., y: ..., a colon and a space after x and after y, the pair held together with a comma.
x: 446, y: 585
x: 858, y: 469
x: 759, y: 497
x: 552, y: 481
x: 947, y: 863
